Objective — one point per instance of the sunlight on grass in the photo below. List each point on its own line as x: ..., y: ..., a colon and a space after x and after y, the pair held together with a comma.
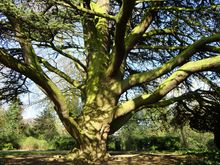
x: 142, y: 158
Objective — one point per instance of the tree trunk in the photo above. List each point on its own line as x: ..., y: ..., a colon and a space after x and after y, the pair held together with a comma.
x: 183, y: 137
x: 94, y: 123
x: 92, y: 145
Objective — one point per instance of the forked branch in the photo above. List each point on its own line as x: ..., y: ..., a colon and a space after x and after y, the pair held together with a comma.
x: 180, y: 59
x: 121, y: 25
x: 58, y: 72
x: 170, y: 83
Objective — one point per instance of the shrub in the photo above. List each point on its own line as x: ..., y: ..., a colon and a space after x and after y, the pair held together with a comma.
x: 31, y: 143
x: 7, y: 146
x: 9, y: 142
x: 171, y: 143
x: 163, y: 143
x: 211, y: 145
x: 114, y: 143
x: 153, y: 143
x: 133, y: 143
x: 63, y: 143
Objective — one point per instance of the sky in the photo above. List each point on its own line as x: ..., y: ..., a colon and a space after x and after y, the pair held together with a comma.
x: 33, y: 103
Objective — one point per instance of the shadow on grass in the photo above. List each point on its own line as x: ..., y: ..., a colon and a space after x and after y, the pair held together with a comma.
x: 117, y: 158
x: 33, y: 157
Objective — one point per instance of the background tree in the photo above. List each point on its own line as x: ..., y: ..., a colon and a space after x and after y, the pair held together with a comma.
x: 139, y: 49
x: 12, y: 125
x: 44, y: 125
x: 202, y: 111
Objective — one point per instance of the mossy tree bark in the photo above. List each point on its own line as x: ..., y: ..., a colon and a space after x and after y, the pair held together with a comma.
x: 113, y: 35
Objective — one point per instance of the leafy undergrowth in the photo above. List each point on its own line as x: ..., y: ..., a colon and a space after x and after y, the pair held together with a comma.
x: 122, y: 158
x: 206, y: 158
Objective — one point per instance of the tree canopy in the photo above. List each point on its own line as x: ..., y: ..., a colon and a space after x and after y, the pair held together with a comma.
x: 117, y: 56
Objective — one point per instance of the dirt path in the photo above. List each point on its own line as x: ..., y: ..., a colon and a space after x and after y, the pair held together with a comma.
x: 133, y: 159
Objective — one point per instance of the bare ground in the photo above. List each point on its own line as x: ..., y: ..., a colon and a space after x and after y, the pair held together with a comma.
x: 123, y: 159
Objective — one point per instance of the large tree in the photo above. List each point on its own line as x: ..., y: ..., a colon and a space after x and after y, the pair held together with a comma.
x: 122, y: 56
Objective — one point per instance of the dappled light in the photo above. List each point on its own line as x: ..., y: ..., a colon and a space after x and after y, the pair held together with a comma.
x: 114, y: 159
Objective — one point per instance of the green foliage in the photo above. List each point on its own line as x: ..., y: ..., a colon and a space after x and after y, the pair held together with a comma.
x: 201, y: 113
x: 31, y: 143
x: 2, y: 118
x: 9, y: 139
x: 44, y: 125
x: 114, y: 143
x: 14, y: 124
x: 11, y: 126
x: 63, y: 143
x: 204, y: 158
x: 151, y: 130
x: 164, y: 143
x: 145, y: 143
x: 211, y: 145
x: 7, y: 146
x: 42, y: 134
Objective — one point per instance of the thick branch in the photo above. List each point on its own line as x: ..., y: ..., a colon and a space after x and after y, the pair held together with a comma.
x: 13, y: 63
x: 121, y: 25
x: 46, y: 84
x: 214, y: 49
x: 170, y: 83
x: 158, y: 32
x: 156, y: 47
x: 26, y: 46
x: 102, y: 26
x: 187, y: 96
x: 143, y: 77
x: 140, y: 29
x: 120, y: 121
